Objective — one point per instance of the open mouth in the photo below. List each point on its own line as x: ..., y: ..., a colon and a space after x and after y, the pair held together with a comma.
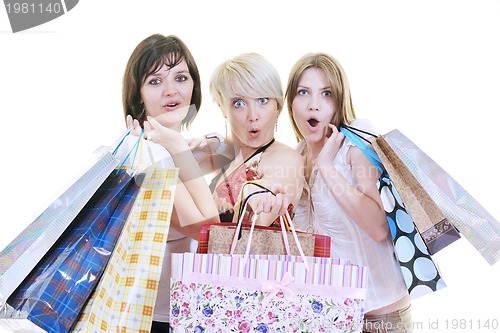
x: 313, y: 122
x: 254, y: 133
x: 171, y: 105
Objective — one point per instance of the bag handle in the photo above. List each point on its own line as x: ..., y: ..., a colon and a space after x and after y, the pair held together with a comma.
x: 138, y: 146
x: 363, y: 144
x: 135, y: 149
x: 254, y: 219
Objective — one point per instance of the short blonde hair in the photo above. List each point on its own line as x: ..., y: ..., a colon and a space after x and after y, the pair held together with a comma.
x: 247, y: 75
x: 338, y: 82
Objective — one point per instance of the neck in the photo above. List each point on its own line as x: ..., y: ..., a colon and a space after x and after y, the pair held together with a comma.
x: 245, y: 151
x: 312, y: 150
x: 310, y: 153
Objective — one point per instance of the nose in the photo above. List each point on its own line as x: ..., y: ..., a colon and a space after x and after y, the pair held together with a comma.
x: 169, y: 88
x: 253, y: 114
x: 313, y: 104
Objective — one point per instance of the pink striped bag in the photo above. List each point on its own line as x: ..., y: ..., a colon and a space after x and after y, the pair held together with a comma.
x: 265, y: 293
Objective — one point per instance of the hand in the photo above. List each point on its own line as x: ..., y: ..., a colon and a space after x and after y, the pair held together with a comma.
x: 157, y: 133
x: 331, y: 146
x: 197, y: 143
x: 269, y: 203
x: 133, y: 126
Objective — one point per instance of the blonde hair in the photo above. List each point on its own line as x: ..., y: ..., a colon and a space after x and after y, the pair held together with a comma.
x: 338, y: 82
x: 247, y: 75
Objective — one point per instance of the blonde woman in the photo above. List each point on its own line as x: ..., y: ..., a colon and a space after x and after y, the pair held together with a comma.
x: 342, y: 198
x: 248, y: 90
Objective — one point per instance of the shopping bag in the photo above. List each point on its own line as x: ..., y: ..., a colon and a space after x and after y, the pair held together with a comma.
x: 473, y: 221
x: 265, y: 293
x: 28, y: 248
x: 217, y: 238
x: 420, y: 271
x: 54, y: 293
x: 125, y: 297
x: 436, y: 230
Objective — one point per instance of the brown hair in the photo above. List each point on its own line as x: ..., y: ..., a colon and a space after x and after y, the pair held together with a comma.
x: 150, y: 54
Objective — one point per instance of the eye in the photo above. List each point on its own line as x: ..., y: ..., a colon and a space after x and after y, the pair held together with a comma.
x: 181, y: 78
x: 239, y: 103
x: 302, y: 92
x: 327, y: 93
x: 155, y: 81
x: 263, y: 100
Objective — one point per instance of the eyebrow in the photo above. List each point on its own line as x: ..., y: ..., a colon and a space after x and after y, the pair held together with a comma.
x: 163, y: 75
x: 307, y: 87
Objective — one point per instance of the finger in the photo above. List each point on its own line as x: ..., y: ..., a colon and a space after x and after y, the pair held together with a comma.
x: 153, y: 122
x: 136, y: 127
x: 333, y: 128
x: 278, y: 202
x: 148, y: 131
x: 259, y: 208
x: 284, y: 206
x: 340, y: 137
x: 130, y: 122
x: 192, y: 143
x: 267, y: 204
x: 277, y: 188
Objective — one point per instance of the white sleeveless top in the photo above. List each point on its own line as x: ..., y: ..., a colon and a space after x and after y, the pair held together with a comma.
x: 319, y: 212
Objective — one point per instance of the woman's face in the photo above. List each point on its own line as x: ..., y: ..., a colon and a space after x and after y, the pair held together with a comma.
x: 166, y: 94
x: 313, y: 106
x: 252, y: 120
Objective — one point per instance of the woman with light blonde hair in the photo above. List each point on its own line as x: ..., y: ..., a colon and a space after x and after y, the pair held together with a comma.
x: 249, y: 92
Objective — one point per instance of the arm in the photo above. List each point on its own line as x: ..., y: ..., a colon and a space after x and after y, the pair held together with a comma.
x: 193, y: 203
x: 360, y: 201
x: 204, y: 150
x: 282, y: 172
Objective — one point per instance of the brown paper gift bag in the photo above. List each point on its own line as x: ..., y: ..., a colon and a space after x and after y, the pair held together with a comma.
x: 264, y: 241
x: 436, y: 230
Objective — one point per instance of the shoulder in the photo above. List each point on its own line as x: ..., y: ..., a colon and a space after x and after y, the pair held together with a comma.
x: 280, y: 154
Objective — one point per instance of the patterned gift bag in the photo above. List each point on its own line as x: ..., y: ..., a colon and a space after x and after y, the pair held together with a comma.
x: 419, y: 270
x: 53, y: 294
x: 266, y: 240
x: 265, y: 293
x: 125, y: 297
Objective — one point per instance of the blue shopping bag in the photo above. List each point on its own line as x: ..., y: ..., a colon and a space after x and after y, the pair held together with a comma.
x: 55, y: 292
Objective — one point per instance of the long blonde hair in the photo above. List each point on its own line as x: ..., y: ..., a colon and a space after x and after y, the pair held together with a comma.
x: 338, y: 82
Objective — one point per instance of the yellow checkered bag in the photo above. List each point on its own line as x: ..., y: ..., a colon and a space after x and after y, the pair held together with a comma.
x: 125, y: 297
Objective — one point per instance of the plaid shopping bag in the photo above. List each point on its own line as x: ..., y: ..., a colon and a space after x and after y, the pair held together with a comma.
x: 125, y: 297
x: 53, y: 294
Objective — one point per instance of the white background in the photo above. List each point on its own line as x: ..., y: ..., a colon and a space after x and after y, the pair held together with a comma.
x: 428, y: 68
